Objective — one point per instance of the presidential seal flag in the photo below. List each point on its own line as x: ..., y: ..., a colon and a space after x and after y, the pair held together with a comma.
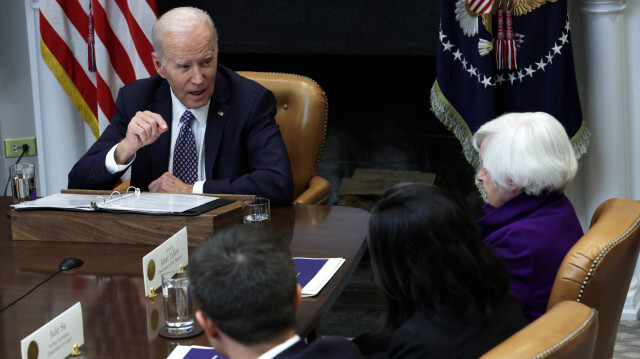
x: 94, y: 47
x: 499, y: 56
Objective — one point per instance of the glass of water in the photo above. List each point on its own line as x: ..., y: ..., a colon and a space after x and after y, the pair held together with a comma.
x: 257, y: 211
x: 23, y: 182
x: 178, y: 304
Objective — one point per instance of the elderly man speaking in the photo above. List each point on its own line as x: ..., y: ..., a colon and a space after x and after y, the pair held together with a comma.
x: 194, y: 127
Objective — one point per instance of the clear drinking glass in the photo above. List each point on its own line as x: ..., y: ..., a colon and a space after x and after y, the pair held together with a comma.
x: 178, y: 304
x: 23, y: 182
x: 256, y: 211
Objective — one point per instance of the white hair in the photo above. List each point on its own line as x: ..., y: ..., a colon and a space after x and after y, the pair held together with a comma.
x: 180, y: 20
x: 530, y: 151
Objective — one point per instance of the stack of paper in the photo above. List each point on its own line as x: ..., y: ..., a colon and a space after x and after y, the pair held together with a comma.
x: 314, y: 273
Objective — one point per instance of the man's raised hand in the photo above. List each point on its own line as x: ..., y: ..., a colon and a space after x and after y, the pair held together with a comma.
x: 145, y: 128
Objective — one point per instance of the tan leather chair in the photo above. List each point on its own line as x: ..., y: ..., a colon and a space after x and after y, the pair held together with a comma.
x: 302, y: 117
x: 597, y: 271
x: 568, y: 330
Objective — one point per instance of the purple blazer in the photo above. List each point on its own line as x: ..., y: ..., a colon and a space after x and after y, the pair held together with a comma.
x: 244, y: 150
x: 532, y: 235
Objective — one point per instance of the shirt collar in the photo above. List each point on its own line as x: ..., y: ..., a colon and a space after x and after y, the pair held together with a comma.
x: 280, y: 347
x: 199, y: 113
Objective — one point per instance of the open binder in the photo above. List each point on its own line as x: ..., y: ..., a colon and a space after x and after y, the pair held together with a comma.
x: 130, y: 202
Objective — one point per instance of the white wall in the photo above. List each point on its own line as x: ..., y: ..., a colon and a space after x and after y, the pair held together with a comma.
x: 16, y: 101
x: 632, y: 28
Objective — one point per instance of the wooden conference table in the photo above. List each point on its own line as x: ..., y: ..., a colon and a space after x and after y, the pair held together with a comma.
x: 119, y: 320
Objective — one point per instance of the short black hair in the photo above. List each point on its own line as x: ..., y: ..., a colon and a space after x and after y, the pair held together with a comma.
x: 243, y: 278
x: 428, y: 256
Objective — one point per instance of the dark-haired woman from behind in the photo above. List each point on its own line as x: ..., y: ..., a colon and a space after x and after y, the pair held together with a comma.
x: 448, y: 295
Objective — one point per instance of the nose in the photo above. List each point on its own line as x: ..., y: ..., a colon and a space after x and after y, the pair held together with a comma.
x: 197, y: 77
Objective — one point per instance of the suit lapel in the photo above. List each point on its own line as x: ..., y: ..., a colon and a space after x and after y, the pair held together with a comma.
x: 160, y: 149
x: 216, y: 120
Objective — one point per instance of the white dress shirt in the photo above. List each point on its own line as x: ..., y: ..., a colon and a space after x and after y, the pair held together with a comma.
x: 280, y: 347
x: 198, y: 127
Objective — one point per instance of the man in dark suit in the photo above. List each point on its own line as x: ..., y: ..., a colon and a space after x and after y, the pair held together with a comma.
x: 238, y: 145
x: 244, y: 282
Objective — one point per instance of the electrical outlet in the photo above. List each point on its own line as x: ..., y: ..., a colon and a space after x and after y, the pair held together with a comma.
x: 13, y: 146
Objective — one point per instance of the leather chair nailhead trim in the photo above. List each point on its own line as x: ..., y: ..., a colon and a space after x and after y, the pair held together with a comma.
x: 601, y: 254
x: 569, y: 337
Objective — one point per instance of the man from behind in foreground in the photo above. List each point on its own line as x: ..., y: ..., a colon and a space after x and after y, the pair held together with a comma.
x: 244, y: 282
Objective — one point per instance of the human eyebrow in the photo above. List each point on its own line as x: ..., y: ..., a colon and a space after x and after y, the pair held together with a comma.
x: 181, y: 64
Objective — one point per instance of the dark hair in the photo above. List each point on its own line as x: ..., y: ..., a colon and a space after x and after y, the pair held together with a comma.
x: 244, y: 279
x: 428, y: 256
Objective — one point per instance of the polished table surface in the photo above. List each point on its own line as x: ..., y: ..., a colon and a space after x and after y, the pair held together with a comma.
x: 119, y: 320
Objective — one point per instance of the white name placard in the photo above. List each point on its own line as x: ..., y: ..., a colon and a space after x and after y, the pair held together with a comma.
x: 55, y: 340
x: 167, y: 257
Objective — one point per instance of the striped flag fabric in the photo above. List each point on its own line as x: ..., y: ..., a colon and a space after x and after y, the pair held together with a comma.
x: 94, y: 47
x: 517, y: 57
x: 480, y: 6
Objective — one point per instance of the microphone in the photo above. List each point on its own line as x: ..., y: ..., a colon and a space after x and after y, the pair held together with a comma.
x: 66, y: 264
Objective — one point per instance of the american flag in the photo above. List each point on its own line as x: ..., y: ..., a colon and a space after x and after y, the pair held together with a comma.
x: 94, y: 47
x: 478, y: 77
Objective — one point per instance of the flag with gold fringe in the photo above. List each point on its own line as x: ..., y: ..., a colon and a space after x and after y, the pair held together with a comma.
x: 94, y: 47
x: 499, y: 56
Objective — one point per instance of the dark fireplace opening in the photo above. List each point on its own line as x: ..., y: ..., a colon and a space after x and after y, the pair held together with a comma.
x: 379, y: 117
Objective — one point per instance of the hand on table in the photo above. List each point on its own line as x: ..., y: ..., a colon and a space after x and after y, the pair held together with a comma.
x: 170, y: 183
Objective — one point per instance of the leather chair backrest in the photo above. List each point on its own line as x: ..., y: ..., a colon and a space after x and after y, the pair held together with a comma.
x: 597, y: 271
x: 568, y: 331
x: 302, y: 116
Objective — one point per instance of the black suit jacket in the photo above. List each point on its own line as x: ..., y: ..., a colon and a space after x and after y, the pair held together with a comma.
x: 244, y: 150
x: 421, y: 337
x: 333, y: 347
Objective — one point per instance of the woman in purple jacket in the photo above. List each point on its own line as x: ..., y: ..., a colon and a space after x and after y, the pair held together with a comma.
x: 527, y: 163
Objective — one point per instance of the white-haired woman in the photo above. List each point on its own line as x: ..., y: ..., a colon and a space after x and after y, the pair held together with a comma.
x: 527, y: 163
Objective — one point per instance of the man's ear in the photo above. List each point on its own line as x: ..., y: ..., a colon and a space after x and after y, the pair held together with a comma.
x: 209, y: 327
x: 296, y: 300
x: 157, y: 63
